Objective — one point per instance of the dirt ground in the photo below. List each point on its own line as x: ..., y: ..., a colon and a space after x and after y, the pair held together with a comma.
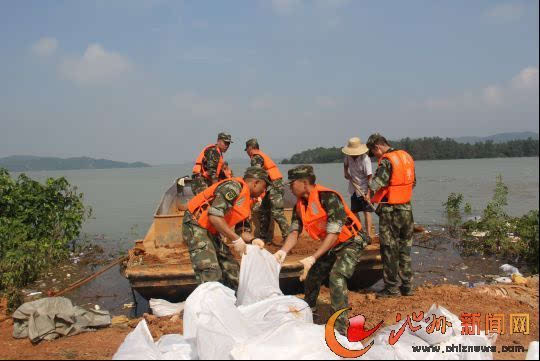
x: 505, y: 299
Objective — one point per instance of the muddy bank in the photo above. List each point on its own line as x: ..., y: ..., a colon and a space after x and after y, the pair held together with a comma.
x: 457, y: 299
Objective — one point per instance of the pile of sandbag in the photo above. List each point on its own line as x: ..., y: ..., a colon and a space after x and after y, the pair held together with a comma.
x: 262, y: 323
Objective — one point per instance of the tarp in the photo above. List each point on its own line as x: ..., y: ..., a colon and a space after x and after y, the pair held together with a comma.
x: 261, y: 323
x: 49, y: 318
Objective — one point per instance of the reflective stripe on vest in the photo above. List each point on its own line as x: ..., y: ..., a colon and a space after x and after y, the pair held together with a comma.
x: 400, y: 187
x: 199, y: 168
x: 240, y: 211
x: 269, y: 166
x: 315, y: 218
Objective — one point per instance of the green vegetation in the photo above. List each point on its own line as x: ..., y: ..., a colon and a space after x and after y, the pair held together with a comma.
x: 431, y: 149
x: 37, y: 223
x: 514, y: 238
x: 18, y: 163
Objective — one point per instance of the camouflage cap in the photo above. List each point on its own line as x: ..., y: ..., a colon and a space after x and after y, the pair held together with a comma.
x: 300, y: 172
x: 225, y: 137
x: 372, y: 140
x: 257, y: 173
x: 252, y: 142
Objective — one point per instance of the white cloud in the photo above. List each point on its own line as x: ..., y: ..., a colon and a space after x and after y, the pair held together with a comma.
x: 526, y: 79
x: 493, y: 95
x: 506, y: 12
x: 286, y: 7
x: 262, y: 103
x: 521, y: 89
x: 95, y: 66
x: 45, y: 46
x: 332, y: 4
x: 326, y: 101
x: 201, y: 107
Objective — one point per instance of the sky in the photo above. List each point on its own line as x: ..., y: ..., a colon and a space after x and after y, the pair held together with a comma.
x: 157, y: 80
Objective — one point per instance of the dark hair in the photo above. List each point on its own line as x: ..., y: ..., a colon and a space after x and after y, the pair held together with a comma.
x: 312, y: 179
x: 381, y: 141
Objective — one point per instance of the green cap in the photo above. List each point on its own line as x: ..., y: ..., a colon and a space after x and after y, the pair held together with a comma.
x: 225, y: 137
x: 252, y: 142
x: 300, y: 172
x: 257, y: 173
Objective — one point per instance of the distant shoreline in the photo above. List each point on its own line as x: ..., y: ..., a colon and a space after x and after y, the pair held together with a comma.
x: 19, y: 163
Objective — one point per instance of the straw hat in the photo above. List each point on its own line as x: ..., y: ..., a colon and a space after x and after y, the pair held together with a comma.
x: 355, y: 147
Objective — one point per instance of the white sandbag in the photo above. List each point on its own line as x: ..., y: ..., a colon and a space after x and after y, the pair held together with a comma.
x: 509, y: 269
x: 437, y: 336
x: 176, y: 347
x: 532, y: 353
x: 162, y: 308
x: 138, y: 345
x: 259, y: 277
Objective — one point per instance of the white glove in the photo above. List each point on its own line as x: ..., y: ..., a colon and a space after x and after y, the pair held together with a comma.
x: 280, y: 256
x: 258, y: 242
x: 240, y: 246
x: 307, y: 262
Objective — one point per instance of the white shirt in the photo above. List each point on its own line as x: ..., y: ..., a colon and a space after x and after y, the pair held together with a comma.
x: 359, y: 170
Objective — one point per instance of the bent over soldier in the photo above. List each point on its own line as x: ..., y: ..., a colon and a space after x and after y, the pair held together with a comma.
x: 213, y: 222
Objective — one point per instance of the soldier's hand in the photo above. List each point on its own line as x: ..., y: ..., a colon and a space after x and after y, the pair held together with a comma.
x: 280, y: 256
x: 258, y: 242
x: 307, y: 262
x: 240, y: 246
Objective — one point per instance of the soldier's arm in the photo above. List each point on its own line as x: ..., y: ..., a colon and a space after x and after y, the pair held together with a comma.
x: 382, y: 176
x: 294, y: 231
x: 225, y: 194
x: 257, y: 161
x: 212, y: 157
x: 336, y: 219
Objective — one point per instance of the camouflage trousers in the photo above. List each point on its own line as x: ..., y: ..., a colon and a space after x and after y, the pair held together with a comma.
x: 211, y: 259
x: 199, y: 184
x: 396, y: 227
x: 336, y: 266
x: 272, y: 210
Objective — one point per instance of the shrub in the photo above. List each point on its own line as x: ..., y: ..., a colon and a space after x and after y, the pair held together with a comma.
x: 37, y: 222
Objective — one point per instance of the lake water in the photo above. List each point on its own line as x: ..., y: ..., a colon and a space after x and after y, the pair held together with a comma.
x: 124, y: 200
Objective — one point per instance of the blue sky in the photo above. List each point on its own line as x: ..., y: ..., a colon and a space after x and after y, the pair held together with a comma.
x: 156, y: 80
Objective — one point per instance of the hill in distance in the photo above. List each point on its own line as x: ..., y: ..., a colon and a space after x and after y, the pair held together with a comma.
x: 498, y: 138
x: 24, y: 163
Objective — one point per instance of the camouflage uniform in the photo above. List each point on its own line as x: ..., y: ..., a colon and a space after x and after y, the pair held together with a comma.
x: 396, y: 227
x: 271, y: 207
x: 211, y: 258
x: 337, y: 265
x: 210, y: 163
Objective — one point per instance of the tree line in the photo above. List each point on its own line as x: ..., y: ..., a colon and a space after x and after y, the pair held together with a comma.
x: 431, y: 148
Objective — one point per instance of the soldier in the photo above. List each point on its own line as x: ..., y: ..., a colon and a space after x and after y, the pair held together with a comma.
x: 219, y: 213
x: 209, y: 164
x: 272, y: 203
x: 326, y: 217
x: 393, y: 184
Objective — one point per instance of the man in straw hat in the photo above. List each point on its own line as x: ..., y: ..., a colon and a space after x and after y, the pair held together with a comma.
x: 218, y: 219
x: 325, y: 216
x: 357, y: 170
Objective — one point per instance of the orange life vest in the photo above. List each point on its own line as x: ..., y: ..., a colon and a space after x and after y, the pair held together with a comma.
x: 399, y: 190
x: 227, y: 172
x: 241, y: 210
x: 199, y: 168
x: 269, y: 166
x: 314, y: 217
